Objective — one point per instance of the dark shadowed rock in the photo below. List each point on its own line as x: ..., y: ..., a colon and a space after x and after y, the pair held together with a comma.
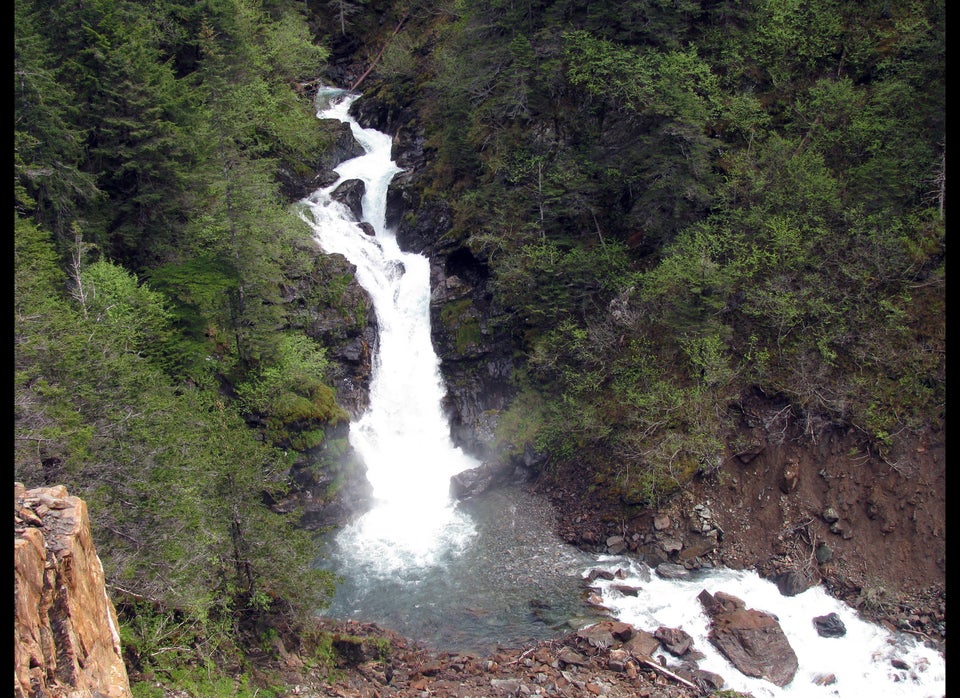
x: 626, y: 589
x: 350, y: 194
x: 472, y: 482
x: 830, y: 625
x: 796, y: 581
x: 669, y: 570
x: 752, y: 640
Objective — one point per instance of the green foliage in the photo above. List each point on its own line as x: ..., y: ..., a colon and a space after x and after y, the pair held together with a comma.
x: 291, y: 392
x: 151, y: 243
x: 49, y: 181
x: 520, y: 424
x: 462, y: 319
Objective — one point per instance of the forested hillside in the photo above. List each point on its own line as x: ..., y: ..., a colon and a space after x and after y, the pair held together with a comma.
x: 669, y: 206
x: 153, y: 246
x: 680, y: 203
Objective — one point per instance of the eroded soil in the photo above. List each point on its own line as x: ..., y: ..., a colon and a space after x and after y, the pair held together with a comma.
x: 773, y: 499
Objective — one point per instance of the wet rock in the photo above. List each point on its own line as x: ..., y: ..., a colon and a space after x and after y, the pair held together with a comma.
x: 675, y: 640
x: 795, y: 581
x: 606, y: 633
x: 708, y: 679
x: 626, y: 589
x: 350, y: 194
x: 472, y: 482
x: 830, y: 625
x: 669, y: 570
x: 595, y: 574
x: 752, y: 640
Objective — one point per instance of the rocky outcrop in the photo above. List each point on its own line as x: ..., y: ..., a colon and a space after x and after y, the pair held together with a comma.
x: 350, y: 194
x: 65, y: 636
x: 299, y: 180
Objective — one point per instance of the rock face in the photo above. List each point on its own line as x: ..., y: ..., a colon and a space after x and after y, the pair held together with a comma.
x: 65, y: 634
x: 752, y: 640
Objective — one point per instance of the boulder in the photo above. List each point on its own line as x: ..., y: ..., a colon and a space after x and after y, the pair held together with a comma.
x: 641, y: 644
x: 606, y: 633
x: 669, y: 570
x: 350, y: 194
x: 795, y: 581
x: 830, y: 625
x: 472, y: 482
x: 751, y: 640
x: 676, y: 641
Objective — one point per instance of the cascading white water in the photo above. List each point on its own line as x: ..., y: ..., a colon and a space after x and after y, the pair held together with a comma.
x: 860, y: 660
x: 403, y: 438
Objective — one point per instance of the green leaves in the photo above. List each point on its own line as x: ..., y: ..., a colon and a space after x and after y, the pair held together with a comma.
x: 292, y: 396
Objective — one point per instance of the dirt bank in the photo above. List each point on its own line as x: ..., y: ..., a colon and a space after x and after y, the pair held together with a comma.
x: 787, y: 489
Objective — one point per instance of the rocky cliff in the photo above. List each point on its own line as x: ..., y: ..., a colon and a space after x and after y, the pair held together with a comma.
x: 65, y: 636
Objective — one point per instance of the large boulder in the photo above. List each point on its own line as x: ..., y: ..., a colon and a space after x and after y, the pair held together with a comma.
x: 796, y: 581
x: 350, y: 194
x: 752, y: 640
x: 486, y: 476
x: 65, y: 638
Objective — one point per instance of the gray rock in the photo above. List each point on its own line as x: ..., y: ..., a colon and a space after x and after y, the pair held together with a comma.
x: 824, y: 553
x: 350, y: 194
x: 669, y: 570
x: 675, y: 640
x: 830, y: 625
x: 796, y: 581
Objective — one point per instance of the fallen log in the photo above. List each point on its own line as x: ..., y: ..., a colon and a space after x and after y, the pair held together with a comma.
x: 356, y: 84
x: 656, y: 666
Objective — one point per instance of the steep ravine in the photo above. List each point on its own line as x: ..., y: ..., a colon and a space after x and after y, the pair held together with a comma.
x: 793, y: 498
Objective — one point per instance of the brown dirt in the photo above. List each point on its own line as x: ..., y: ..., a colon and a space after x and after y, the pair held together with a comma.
x: 888, y: 549
x: 409, y: 671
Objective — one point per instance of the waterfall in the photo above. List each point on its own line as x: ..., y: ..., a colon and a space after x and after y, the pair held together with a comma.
x: 403, y: 438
